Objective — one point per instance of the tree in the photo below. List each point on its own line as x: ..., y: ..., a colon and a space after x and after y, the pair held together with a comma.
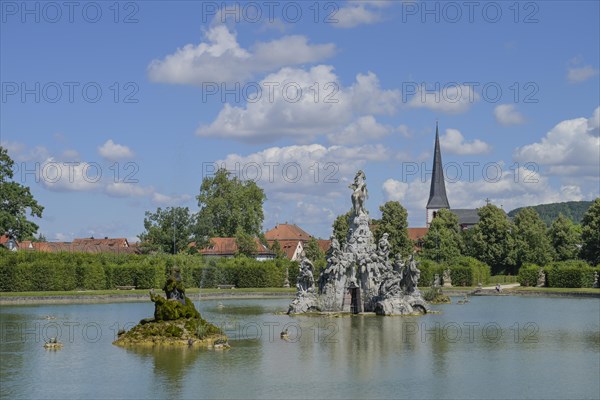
x: 491, y: 241
x: 443, y: 241
x: 341, y: 226
x: 227, y: 204
x: 276, y: 248
x: 169, y: 230
x: 590, y: 234
x: 316, y: 255
x: 246, y: 244
x: 393, y: 222
x: 16, y: 201
x: 564, y: 237
x: 531, y: 241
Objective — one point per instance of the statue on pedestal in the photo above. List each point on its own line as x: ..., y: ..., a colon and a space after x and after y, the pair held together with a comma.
x: 541, y: 281
x: 447, y: 279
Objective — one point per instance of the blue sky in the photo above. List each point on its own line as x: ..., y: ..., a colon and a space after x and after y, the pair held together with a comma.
x: 112, y: 111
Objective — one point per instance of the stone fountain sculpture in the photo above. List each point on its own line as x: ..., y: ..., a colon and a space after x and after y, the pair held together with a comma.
x: 361, y: 276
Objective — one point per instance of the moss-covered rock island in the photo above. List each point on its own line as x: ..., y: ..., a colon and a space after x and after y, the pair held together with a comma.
x: 176, y: 322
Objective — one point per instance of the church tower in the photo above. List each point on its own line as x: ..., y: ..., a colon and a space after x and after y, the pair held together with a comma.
x: 437, y: 192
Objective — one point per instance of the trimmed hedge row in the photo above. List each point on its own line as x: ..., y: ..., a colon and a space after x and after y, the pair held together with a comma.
x: 464, y: 271
x: 25, y: 271
x: 564, y: 274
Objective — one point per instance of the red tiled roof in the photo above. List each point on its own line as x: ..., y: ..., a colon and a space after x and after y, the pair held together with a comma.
x: 324, y: 245
x: 114, y: 242
x: 416, y: 234
x: 57, y: 247
x: 4, y: 239
x: 228, y: 246
x: 287, y: 246
x: 287, y: 232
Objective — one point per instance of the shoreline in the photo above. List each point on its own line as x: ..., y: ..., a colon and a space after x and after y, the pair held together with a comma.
x: 131, y: 298
x: 240, y: 294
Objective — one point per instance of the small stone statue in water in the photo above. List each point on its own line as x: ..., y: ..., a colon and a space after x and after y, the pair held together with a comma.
x: 596, y: 284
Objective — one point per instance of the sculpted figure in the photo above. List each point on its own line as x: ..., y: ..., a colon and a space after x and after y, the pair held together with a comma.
x: 360, y: 193
x: 306, y: 281
x: 410, y: 276
x: 174, y: 288
x: 398, y: 265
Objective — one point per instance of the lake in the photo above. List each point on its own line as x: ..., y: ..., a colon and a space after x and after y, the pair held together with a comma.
x: 492, y: 347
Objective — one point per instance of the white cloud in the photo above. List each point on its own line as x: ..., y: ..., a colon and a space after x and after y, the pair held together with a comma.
x: 18, y: 151
x: 113, y: 151
x: 394, y: 190
x: 450, y: 99
x: 570, y: 148
x: 581, y: 74
x: 290, y: 105
x: 358, y: 13
x: 163, y: 199
x: 507, y: 114
x: 364, y: 129
x: 70, y: 154
x: 221, y: 58
x: 70, y: 176
x: 121, y: 189
x: 453, y: 142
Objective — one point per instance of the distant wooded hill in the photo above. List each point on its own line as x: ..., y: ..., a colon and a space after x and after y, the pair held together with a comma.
x: 573, y: 210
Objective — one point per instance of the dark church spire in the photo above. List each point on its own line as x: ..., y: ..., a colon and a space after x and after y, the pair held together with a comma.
x: 437, y: 192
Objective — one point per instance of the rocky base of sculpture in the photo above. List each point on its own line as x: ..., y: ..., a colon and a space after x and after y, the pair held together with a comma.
x: 304, y: 302
x: 403, y: 305
x: 175, y: 323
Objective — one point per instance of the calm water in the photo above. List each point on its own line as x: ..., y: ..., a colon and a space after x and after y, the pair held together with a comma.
x: 492, y: 347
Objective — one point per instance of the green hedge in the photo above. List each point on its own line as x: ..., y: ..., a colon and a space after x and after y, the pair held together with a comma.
x: 464, y: 271
x: 29, y: 271
x: 560, y: 274
x: 503, y: 279
x: 528, y: 275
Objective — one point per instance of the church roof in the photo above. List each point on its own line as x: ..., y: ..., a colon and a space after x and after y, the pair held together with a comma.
x: 466, y: 216
x: 437, y: 191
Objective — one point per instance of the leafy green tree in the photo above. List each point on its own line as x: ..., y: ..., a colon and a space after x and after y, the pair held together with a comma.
x: 393, y: 222
x: 564, y: 237
x: 168, y: 230
x: 16, y: 201
x: 532, y: 245
x: 228, y: 204
x: 341, y: 226
x: 491, y: 240
x: 276, y: 248
x: 246, y: 244
x: 443, y: 241
x: 590, y: 234
x: 316, y: 255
